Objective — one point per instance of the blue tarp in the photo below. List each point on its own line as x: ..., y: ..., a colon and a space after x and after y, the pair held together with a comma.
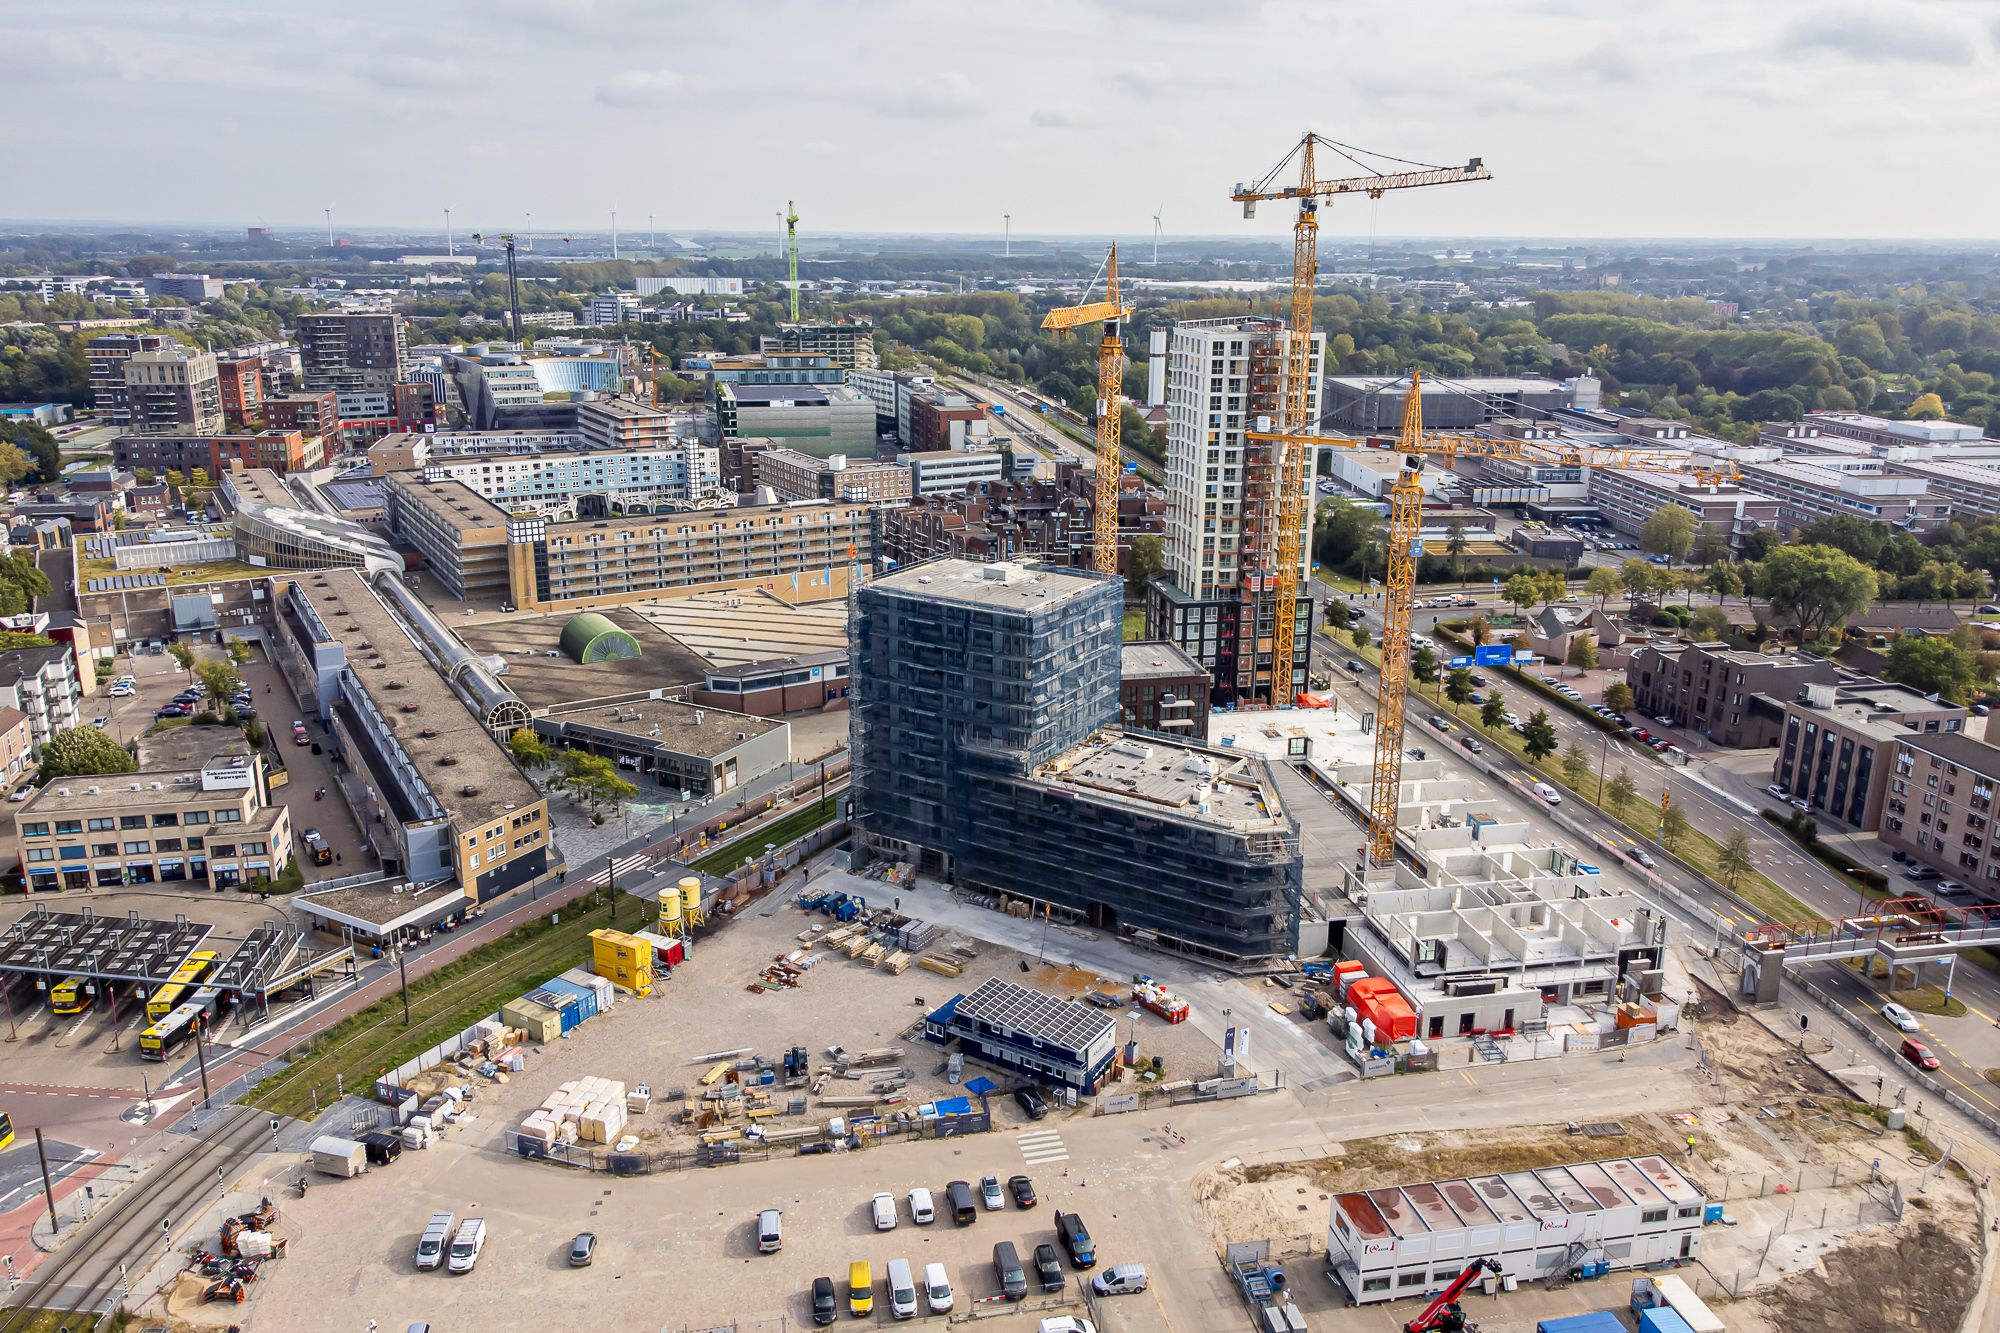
x: 953, y: 1106
x: 982, y: 1085
x: 1600, y: 1322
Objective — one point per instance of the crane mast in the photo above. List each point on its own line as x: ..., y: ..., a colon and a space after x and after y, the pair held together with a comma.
x: 1406, y: 516
x: 1110, y: 380
x: 792, y: 245
x: 1294, y: 456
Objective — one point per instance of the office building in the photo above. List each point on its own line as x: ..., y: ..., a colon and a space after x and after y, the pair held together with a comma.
x: 1627, y: 497
x: 1046, y: 1039
x: 691, y: 752
x: 194, y: 288
x: 850, y: 343
x: 1807, y: 492
x: 404, y: 450
x: 1838, y: 742
x: 351, y: 353
x: 273, y: 530
x: 892, y: 392
x: 42, y: 684
x: 1373, y: 404
x: 610, y: 307
x: 503, y: 390
x: 756, y: 368
x: 1971, y: 488
x: 817, y: 419
x: 691, y: 286
x: 431, y: 788
x: 1397, y: 1242
x: 214, y: 825
x: 1886, y: 434
x: 241, y: 380
x: 792, y: 475
x: 950, y: 471
x: 624, y: 423
x: 1161, y: 689
x: 1216, y: 600
x: 460, y: 537
x: 174, y: 390
x: 591, y: 483
x: 939, y: 420
x: 1938, y: 809
x: 982, y: 698
x: 1726, y: 694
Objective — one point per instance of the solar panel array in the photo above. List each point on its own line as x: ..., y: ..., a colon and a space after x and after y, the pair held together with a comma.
x: 1063, y: 1023
x: 125, y: 582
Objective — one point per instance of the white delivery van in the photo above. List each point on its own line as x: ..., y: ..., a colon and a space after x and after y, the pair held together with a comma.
x: 922, y: 1211
x: 1547, y: 793
x: 902, y: 1290
x: 937, y: 1288
x: 431, y: 1246
x: 467, y: 1244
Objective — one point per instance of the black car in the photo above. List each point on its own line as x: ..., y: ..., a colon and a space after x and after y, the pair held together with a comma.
x: 1031, y: 1103
x: 1048, y: 1268
x: 1023, y: 1190
x: 825, y: 1310
x: 172, y: 710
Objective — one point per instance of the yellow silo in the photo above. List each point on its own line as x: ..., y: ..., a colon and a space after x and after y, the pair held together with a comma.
x: 670, y: 911
x: 691, y: 900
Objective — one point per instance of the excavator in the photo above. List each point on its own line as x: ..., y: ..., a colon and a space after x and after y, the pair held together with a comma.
x: 1443, y: 1315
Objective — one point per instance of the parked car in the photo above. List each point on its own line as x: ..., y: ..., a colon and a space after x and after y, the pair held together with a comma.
x: 20, y: 793
x: 1920, y: 874
x: 1471, y: 743
x: 1664, y: 720
x: 1007, y: 1269
x: 922, y: 1211
x: 1918, y: 1054
x: 883, y: 1208
x: 1065, y: 1323
x: 989, y: 1194
x: 1030, y: 1100
x: 1899, y: 1018
x: 1048, y: 1268
x: 770, y: 1231
x: 1797, y: 804
x: 173, y: 710
x: 1120, y: 1280
x: 1776, y: 791
x: 1023, y: 1191
x: 583, y: 1249
x: 937, y: 1288
x: 825, y: 1308
x: 1075, y: 1238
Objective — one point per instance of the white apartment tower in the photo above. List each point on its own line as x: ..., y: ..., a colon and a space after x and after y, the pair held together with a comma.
x: 1216, y: 600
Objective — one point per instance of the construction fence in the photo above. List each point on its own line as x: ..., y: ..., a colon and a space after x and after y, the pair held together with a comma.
x: 1741, y: 1265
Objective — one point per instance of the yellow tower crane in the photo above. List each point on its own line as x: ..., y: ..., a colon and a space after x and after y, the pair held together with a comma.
x: 1294, y: 471
x: 1110, y: 379
x: 1406, y: 505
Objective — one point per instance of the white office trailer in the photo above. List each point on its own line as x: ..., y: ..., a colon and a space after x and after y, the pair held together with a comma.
x: 1388, y: 1244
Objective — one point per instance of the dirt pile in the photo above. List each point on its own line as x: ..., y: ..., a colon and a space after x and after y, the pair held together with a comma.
x: 1919, y: 1276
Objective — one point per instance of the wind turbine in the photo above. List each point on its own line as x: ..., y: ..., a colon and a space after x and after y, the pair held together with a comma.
x: 1156, y: 232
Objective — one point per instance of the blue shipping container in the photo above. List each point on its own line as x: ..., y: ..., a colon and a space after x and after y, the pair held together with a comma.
x: 1601, y: 1322
x: 1662, y: 1320
x: 585, y: 995
x: 568, y: 1009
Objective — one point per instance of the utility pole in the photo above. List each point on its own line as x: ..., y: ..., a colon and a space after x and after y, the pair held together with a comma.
x: 611, y: 883
x: 201, y: 1057
x: 403, y: 973
x: 48, y: 1186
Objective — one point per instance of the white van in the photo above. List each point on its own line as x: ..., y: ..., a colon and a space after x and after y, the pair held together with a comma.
x: 884, y: 1208
x: 937, y: 1288
x: 1120, y: 1280
x: 902, y: 1290
x: 1547, y: 793
x: 922, y: 1211
x: 467, y: 1244
x: 431, y: 1246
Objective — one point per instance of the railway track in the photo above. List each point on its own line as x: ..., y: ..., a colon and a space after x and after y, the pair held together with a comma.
x: 83, y: 1275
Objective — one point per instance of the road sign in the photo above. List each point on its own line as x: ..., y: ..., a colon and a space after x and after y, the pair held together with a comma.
x: 1456, y: 662
x: 1493, y: 654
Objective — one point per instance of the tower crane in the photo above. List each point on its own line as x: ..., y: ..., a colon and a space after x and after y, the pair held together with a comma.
x: 792, y: 245
x: 506, y: 239
x: 1406, y: 505
x: 1110, y: 378
x: 1294, y: 479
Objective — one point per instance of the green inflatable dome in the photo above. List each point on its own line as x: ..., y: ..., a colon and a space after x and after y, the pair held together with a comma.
x: 590, y: 637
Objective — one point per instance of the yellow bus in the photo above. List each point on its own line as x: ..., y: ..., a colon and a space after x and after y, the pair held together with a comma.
x: 164, y: 1037
x: 69, y: 996
x: 6, y: 1131
x: 171, y: 995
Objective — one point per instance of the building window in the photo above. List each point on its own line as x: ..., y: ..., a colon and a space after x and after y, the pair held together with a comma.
x: 137, y: 848
x: 1411, y: 1279
x: 1652, y: 1215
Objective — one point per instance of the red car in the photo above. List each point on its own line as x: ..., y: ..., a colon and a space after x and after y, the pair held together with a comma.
x: 1919, y: 1055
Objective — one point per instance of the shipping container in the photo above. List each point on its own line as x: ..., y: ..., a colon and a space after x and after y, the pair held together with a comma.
x: 541, y: 1024
x: 1599, y: 1322
x: 338, y: 1157
x: 585, y: 996
x: 1662, y: 1320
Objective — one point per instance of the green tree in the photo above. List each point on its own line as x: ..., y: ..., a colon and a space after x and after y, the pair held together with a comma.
x: 14, y: 463
x: 593, y: 778
x: 34, y: 440
x: 1710, y: 546
x: 218, y: 681
x: 1454, y: 545
x: 1540, y: 735
x: 1522, y: 589
x: 1458, y: 687
x: 1673, y: 827
x: 182, y: 654
x: 529, y: 750
x: 1620, y: 791
x: 1424, y: 664
x: 1668, y: 531
x: 1937, y: 666
x: 1709, y: 624
x: 1816, y: 587
x: 1493, y: 713
x: 81, y: 752
x: 1144, y: 562
x: 1583, y: 652
x: 1603, y: 584
x: 1481, y: 630
x: 1725, y: 580
x: 1733, y: 861
x: 14, y: 638
x: 1359, y: 636
x: 1618, y: 696
x: 1576, y: 766
x: 239, y: 652
x: 1551, y: 587
x: 1927, y: 407
x: 1640, y: 579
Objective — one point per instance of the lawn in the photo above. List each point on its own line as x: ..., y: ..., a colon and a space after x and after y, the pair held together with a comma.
x: 1135, y: 624
x: 217, y: 571
x: 367, y: 1045
x: 792, y: 826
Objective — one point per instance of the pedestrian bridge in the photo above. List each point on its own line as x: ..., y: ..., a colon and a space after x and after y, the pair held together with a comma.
x: 1902, y: 932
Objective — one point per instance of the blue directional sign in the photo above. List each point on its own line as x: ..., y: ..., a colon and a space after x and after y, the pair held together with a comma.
x: 1493, y: 654
x: 1456, y: 662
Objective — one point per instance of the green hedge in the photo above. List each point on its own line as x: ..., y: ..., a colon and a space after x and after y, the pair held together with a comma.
x: 1535, y: 686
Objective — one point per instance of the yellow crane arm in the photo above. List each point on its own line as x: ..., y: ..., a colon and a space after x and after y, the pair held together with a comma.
x: 1064, y: 319
x: 1372, y: 186
x: 1110, y: 376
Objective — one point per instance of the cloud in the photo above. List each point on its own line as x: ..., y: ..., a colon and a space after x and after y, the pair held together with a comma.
x: 637, y: 88
x: 946, y: 93
x: 1055, y: 118
x: 1862, y: 36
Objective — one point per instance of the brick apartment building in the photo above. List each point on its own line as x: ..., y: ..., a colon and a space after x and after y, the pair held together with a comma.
x: 307, y: 413
x: 242, y: 381
x: 1939, y: 808
x: 1839, y: 741
x: 1725, y: 694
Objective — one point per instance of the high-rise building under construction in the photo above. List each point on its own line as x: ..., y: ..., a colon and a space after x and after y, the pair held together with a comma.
x: 1217, y: 599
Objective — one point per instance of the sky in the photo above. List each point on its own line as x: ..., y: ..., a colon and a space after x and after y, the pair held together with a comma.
x: 1597, y: 118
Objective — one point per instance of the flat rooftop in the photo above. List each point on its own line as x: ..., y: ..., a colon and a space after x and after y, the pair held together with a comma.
x: 1547, y: 1194
x: 189, y: 747
x: 261, y: 485
x: 726, y: 629
x: 1169, y: 780
x: 466, y: 771
x: 543, y: 682
x: 624, y: 409
x: 1156, y: 661
x: 384, y: 907
x: 674, y: 727
x: 453, y: 503
x: 1000, y: 586
x: 788, y: 395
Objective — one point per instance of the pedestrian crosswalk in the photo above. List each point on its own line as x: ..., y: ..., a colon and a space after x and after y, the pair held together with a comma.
x: 623, y: 869
x: 1042, y: 1145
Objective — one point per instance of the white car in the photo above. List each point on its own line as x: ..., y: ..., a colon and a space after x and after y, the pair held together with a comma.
x: 1900, y: 1018
x: 990, y: 1194
x: 1776, y: 791
x: 1066, y: 1323
x: 884, y: 1207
